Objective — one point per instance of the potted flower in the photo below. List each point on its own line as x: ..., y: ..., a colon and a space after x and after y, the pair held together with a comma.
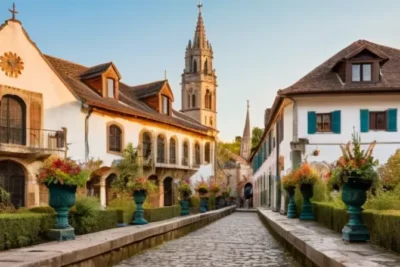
x: 306, y: 177
x: 140, y: 187
x: 289, y: 184
x: 357, y: 172
x: 185, y: 191
x: 202, y: 188
x: 62, y: 177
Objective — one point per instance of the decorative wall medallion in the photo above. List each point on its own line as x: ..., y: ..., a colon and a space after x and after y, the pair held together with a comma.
x: 11, y: 64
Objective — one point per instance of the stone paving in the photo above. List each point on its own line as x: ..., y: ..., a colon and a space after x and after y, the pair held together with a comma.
x: 239, y: 239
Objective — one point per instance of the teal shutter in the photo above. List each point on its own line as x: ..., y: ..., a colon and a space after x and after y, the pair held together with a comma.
x: 364, y: 120
x: 392, y: 120
x: 312, y: 122
x: 336, y: 121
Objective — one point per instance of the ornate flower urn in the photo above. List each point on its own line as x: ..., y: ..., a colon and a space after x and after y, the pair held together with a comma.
x: 203, y: 204
x: 291, y: 213
x: 61, y: 199
x: 354, y: 196
x: 185, y: 204
x: 139, y: 196
x: 307, y: 192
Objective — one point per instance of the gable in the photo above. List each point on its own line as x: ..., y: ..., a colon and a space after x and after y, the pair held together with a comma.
x: 166, y: 90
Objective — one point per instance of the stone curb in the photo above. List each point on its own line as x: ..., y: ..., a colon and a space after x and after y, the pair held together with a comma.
x: 92, y: 245
x: 312, y: 244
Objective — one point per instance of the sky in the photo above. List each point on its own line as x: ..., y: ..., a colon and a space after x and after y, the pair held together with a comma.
x: 260, y: 46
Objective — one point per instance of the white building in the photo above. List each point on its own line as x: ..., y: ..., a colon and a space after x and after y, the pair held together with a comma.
x: 356, y: 89
x: 53, y: 106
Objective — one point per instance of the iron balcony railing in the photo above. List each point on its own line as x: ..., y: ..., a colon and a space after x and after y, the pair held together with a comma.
x: 172, y: 160
x: 185, y: 161
x: 34, y: 138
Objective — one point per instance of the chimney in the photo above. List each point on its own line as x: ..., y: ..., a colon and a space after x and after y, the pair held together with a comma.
x: 266, y: 116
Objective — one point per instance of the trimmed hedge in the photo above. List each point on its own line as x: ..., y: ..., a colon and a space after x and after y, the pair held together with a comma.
x: 383, y: 226
x: 23, y: 229
x: 101, y: 220
x: 164, y: 213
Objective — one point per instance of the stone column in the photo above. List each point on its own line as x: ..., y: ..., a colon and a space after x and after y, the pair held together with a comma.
x: 103, y: 201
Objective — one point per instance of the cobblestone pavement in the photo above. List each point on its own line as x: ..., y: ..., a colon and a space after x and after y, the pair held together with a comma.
x: 239, y: 239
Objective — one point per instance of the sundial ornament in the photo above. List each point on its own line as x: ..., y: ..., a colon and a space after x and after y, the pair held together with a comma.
x: 11, y: 64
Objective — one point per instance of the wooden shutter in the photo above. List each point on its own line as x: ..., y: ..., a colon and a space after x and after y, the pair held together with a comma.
x: 35, y: 134
x: 335, y: 121
x: 312, y: 122
x: 364, y: 120
x: 392, y: 120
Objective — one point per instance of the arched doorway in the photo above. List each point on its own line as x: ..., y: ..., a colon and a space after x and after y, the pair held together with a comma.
x: 248, y: 194
x: 167, y: 191
x: 12, y: 179
x: 110, y: 194
x: 93, y: 186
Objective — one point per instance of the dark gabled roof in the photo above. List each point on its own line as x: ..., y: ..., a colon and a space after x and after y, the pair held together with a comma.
x: 127, y: 103
x: 95, y: 70
x: 149, y: 89
x: 324, y: 80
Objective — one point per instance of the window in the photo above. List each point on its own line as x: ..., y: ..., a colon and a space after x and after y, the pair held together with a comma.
x: 160, y: 149
x: 146, y: 145
x: 377, y: 120
x: 207, y: 152
x: 114, y: 138
x: 12, y: 120
x: 206, y: 67
x: 185, y: 158
x: 323, y: 122
x: 165, y: 105
x: 193, y: 101
x: 197, y: 154
x: 208, y: 100
x: 110, y: 88
x: 172, y: 151
x: 211, y: 121
x: 194, y: 65
x: 188, y: 101
x: 361, y: 72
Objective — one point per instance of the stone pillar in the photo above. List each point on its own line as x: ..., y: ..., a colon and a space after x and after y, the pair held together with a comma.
x: 103, y: 193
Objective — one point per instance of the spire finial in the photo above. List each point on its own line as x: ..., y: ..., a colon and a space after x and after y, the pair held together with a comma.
x: 248, y: 104
x: 165, y: 74
x: 200, y: 5
x: 13, y: 12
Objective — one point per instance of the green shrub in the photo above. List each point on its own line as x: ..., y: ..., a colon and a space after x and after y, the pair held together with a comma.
x: 194, y: 202
x: 124, y: 206
x: 83, y: 215
x: 383, y: 200
x: 320, y: 191
x: 211, y: 203
x: 43, y: 209
x: 23, y: 229
x: 164, y: 213
x: 298, y: 198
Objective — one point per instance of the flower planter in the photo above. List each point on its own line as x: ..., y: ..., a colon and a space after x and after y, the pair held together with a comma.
x: 185, y: 204
x: 291, y: 213
x: 307, y: 192
x: 139, y: 196
x: 203, y: 204
x: 61, y: 199
x: 354, y: 196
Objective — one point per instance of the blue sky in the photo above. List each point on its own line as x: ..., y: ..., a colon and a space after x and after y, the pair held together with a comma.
x: 259, y: 46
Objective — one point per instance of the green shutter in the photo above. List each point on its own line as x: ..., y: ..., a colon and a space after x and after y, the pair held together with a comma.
x: 312, y: 122
x: 364, y: 120
x: 392, y: 120
x: 335, y: 123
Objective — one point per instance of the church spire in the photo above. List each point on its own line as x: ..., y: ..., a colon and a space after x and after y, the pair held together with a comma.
x: 246, y: 139
x: 200, y: 40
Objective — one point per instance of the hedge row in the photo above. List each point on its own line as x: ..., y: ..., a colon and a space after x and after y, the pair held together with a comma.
x: 101, y: 220
x: 164, y: 213
x: 383, y: 226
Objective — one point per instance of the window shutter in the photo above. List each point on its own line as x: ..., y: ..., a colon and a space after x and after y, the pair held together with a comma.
x: 392, y: 120
x: 312, y: 122
x: 336, y: 121
x: 364, y: 120
x: 35, y: 124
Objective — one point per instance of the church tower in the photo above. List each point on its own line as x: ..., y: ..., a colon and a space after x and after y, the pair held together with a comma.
x: 245, y: 146
x: 199, y: 82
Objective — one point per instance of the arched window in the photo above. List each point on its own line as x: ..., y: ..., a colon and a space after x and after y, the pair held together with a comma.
x: 12, y: 179
x: 193, y: 101
x: 185, y: 157
x: 195, y: 65
x: 188, y: 100
x: 172, y: 151
x: 12, y: 120
x: 197, y: 154
x: 160, y: 149
x: 114, y: 138
x: 205, y: 67
x: 146, y: 145
x: 208, y: 99
x: 211, y: 121
x: 207, y: 153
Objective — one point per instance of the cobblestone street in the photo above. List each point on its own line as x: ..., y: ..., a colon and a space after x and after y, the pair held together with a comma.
x: 236, y: 240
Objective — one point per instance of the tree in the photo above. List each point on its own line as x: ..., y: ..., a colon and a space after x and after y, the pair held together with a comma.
x: 389, y: 172
x: 232, y: 146
x: 256, y: 136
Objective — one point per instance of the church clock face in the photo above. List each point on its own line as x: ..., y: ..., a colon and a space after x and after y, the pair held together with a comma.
x: 11, y: 64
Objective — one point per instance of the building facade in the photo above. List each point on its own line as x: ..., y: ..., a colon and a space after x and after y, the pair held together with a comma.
x: 51, y: 106
x: 356, y: 90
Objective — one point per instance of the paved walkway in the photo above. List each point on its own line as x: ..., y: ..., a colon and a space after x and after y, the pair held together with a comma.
x: 239, y: 239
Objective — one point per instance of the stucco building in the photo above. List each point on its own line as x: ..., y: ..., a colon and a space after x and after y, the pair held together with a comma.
x: 53, y: 106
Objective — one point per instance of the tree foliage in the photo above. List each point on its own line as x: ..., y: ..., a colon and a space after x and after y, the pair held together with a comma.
x: 389, y: 172
x: 256, y: 136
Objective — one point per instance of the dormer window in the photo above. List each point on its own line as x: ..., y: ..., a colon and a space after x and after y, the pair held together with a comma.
x: 165, y: 105
x: 110, y: 88
x: 362, y: 72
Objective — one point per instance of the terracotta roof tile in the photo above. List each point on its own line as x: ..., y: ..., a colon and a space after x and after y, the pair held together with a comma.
x: 148, y: 89
x: 95, y: 70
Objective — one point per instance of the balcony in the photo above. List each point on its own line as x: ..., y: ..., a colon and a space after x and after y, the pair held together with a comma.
x: 32, y: 143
